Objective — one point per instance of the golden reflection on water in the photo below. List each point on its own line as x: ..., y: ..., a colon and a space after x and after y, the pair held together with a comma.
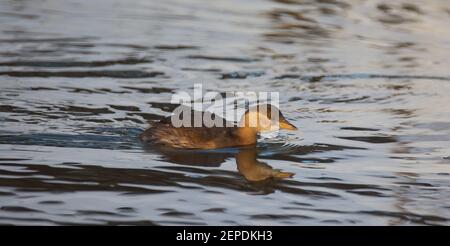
x: 245, y: 158
x: 254, y: 170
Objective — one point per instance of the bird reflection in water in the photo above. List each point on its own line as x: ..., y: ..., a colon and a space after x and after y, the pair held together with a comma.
x: 254, y: 170
x: 246, y: 161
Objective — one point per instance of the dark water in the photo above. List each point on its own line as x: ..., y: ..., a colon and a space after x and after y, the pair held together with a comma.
x: 367, y: 83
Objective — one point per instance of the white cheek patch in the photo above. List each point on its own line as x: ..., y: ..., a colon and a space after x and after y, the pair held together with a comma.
x: 265, y: 123
x: 252, y: 119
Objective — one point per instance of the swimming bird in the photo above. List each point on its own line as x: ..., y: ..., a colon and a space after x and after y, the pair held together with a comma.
x: 257, y: 119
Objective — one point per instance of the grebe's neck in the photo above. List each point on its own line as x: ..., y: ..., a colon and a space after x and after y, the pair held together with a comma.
x: 247, y: 135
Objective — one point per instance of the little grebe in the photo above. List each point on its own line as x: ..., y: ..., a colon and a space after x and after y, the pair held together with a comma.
x: 245, y: 133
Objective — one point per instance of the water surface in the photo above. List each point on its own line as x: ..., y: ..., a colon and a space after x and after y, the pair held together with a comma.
x: 366, y: 82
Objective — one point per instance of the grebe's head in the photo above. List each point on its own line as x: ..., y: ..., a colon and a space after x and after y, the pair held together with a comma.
x: 265, y: 118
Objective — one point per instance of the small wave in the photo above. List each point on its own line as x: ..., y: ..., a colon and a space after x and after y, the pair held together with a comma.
x: 126, y: 74
x: 99, y: 138
x: 59, y: 64
x: 318, y: 78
